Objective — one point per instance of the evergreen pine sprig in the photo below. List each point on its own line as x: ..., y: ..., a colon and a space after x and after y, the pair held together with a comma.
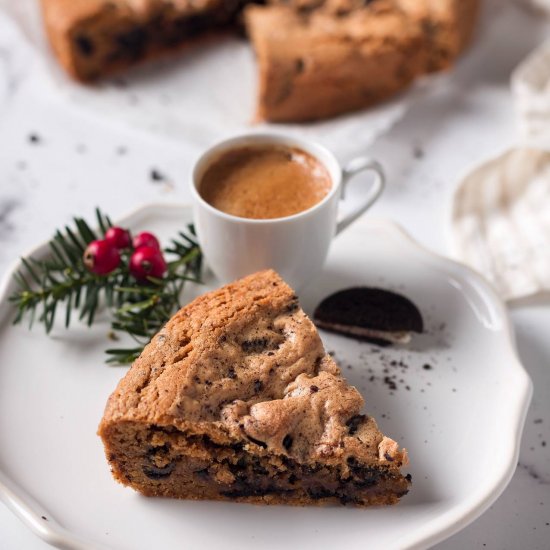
x: 137, y: 308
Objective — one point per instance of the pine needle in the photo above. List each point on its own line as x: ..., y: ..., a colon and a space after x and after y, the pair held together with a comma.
x: 137, y: 309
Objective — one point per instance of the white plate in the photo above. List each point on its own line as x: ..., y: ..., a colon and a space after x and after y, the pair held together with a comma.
x: 461, y: 420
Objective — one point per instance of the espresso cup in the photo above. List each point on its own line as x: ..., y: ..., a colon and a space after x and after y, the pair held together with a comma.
x: 295, y: 246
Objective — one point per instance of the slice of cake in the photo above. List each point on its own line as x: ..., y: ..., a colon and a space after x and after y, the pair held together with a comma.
x: 236, y: 399
x: 318, y: 63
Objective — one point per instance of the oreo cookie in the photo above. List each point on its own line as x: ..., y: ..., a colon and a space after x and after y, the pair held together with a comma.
x: 374, y: 315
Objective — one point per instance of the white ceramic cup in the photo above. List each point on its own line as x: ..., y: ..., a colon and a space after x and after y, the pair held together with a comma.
x: 295, y: 246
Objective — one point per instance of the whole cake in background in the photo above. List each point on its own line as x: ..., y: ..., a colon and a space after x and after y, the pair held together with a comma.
x: 316, y: 58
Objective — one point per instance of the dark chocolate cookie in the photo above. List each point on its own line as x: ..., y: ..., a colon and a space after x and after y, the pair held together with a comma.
x: 372, y: 314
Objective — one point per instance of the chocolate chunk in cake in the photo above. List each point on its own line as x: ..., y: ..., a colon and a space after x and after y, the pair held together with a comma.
x: 372, y: 314
x: 236, y: 399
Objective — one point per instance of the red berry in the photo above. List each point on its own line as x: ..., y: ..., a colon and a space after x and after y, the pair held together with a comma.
x: 118, y: 237
x: 146, y: 239
x: 147, y: 261
x: 101, y: 257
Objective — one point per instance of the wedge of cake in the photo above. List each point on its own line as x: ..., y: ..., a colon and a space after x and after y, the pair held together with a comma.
x: 236, y: 399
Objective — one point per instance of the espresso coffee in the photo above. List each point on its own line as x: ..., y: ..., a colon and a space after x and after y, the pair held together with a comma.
x: 265, y: 182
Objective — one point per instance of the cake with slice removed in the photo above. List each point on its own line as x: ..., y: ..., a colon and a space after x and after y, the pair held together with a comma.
x: 236, y: 399
x: 316, y: 58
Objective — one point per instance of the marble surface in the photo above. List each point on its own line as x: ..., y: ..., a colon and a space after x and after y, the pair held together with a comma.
x: 58, y: 158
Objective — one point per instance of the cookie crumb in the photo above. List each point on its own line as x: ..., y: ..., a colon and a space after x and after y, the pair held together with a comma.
x: 418, y: 152
x: 156, y: 175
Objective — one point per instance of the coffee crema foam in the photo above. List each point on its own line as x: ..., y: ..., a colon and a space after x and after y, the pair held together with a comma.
x: 265, y: 182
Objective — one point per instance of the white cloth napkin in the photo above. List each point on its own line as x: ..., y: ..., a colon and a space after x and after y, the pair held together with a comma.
x: 501, y: 222
x: 531, y: 89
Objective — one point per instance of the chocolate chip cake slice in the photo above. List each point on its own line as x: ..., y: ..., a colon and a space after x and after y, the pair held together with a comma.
x: 235, y: 399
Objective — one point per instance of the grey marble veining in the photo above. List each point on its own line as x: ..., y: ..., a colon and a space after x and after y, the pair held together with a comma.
x: 7, y: 206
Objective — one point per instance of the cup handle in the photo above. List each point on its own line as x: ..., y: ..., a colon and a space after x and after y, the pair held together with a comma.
x: 356, y: 166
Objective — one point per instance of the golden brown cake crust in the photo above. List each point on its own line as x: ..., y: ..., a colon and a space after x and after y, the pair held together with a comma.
x: 243, y: 368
